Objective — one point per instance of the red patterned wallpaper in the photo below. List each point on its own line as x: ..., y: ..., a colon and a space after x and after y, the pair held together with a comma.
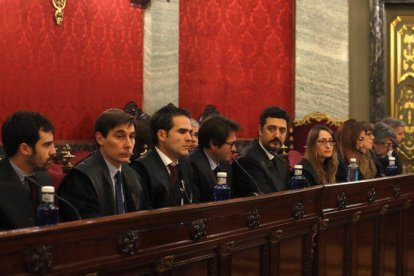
x: 237, y: 55
x: 69, y: 73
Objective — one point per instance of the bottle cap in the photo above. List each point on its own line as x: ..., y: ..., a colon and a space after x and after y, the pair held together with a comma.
x: 221, y: 174
x: 352, y: 160
x: 48, y: 189
x: 391, y: 158
x: 299, y: 167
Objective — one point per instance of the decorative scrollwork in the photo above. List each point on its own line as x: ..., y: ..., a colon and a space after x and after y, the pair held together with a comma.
x: 342, y: 200
x: 39, y: 259
x: 372, y: 195
x: 128, y: 242
x: 298, y: 210
x: 318, y: 117
x: 276, y: 236
x: 323, y: 223
x: 384, y: 209
x: 397, y: 190
x: 226, y: 249
x: 198, y: 229
x: 253, y: 219
x: 356, y: 216
x: 165, y: 264
x: 59, y: 6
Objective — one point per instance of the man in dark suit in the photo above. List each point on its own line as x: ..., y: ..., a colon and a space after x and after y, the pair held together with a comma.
x: 258, y: 171
x: 103, y: 184
x: 217, y: 136
x: 165, y: 170
x: 384, y: 137
x: 28, y: 143
x: 399, y: 130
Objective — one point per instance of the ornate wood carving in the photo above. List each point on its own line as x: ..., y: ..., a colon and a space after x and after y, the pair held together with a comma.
x: 397, y: 191
x: 128, y: 242
x: 356, y: 216
x: 226, y: 249
x: 342, y: 201
x: 253, y: 219
x: 39, y: 259
x: 313, y: 241
x: 165, y: 264
x: 298, y: 210
x: 372, y: 195
x: 407, y: 204
x: 276, y: 236
x: 198, y: 229
x: 323, y: 223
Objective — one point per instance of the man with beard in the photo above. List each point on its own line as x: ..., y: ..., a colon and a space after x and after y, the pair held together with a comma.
x: 165, y: 170
x: 103, y: 184
x: 28, y: 143
x: 258, y: 171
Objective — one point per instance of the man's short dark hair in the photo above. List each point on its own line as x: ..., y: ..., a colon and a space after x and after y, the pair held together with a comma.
x: 216, y: 129
x: 383, y: 131
x: 111, y: 118
x: 273, y: 112
x: 23, y: 127
x: 393, y: 122
x: 163, y: 119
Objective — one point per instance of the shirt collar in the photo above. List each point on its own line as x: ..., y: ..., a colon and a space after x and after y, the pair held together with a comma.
x: 269, y: 155
x: 20, y: 173
x: 165, y: 159
x: 112, y: 169
x: 213, y: 164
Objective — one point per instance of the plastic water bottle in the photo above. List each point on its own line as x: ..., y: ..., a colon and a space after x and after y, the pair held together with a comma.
x: 352, y: 172
x: 298, y: 180
x: 221, y: 189
x: 47, y: 212
x: 391, y: 168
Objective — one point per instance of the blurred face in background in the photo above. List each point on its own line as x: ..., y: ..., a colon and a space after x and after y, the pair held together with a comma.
x: 382, y: 148
x: 368, y: 141
x: 194, y: 138
x: 399, y: 133
x: 325, y: 145
x: 360, y: 141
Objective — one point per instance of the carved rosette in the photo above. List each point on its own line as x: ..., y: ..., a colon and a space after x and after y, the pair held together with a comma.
x: 226, y: 249
x: 165, y: 264
x: 323, y: 223
x: 342, y: 200
x: 384, y: 210
x: 276, y: 236
x: 372, y: 195
x: 128, y: 242
x: 397, y: 191
x: 253, y: 219
x: 198, y: 229
x: 407, y: 204
x: 39, y: 259
x: 298, y: 210
x: 356, y: 216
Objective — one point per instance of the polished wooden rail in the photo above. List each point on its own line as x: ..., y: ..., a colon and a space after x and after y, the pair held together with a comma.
x: 364, y: 228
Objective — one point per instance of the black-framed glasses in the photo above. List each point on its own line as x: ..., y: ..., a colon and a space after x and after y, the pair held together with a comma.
x: 324, y: 142
x: 230, y: 144
x: 388, y: 145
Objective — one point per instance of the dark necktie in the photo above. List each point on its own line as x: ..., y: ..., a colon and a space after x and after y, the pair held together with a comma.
x: 33, y: 194
x: 173, y: 173
x: 119, y: 197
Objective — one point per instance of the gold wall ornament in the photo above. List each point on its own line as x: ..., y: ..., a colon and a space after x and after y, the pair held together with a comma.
x: 59, y: 6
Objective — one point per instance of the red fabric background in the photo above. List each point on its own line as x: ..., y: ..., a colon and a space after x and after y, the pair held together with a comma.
x: 238, y: 56
x: 72, y: 72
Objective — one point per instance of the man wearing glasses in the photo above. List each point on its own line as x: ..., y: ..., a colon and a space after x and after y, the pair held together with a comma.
x: 384, y: 137
x: 216, y: 138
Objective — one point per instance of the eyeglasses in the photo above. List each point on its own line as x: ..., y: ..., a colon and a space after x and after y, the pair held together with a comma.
x: 388, y: 145
x: 326, y: 142
x: 230, y: 144
x: 361, y: 138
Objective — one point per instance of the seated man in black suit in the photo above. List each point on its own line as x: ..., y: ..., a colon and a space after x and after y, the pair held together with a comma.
x: 103, y: 184
x: 399, y: 130
x: 217, y: 136
x: 384, y: 137
x: 165, y: 171
x: 258, y: 171
x: 28, y: 143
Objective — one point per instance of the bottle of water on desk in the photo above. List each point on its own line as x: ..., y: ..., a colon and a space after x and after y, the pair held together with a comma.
x: 352, y: 171
x: 47, y: 212
x: 298, y: 180
x: 391, y: 168
x: 221, y: 189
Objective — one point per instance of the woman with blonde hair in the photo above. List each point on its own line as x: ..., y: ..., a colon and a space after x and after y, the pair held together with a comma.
x: 320, y: 162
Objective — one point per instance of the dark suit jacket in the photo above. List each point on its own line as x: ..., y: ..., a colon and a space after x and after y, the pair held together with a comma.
x: 204, y: 178
x: 263, y: 176
x: 16, y: 208
x: 89, y: 188
x: 155, y: 178
x: 309, y: 172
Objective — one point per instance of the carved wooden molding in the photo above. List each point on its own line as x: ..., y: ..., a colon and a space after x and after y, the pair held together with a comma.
x: 226, y: 249
x: 384, y: 209
x: 276, y: 236
x: 198, y: 229
x: 128, y: 242
x: 39, y: 259
x: 342, y: 200
x: 298, y: 210
x: 253, y: 219
x: 313, y: 240
x: 356, y: 216
x: 165, y: 264
x: 372, y: 195
x: 397, y: 191
x: 407, y: 204
x: 318, y: 117
x: 323, y: 223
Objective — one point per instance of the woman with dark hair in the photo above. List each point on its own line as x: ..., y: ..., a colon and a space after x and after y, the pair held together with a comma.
x: 320, y: 162
x: 350, y: 138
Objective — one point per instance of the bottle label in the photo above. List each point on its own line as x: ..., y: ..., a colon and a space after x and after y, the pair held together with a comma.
x: 46, y: 197
x: 221, y: 181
